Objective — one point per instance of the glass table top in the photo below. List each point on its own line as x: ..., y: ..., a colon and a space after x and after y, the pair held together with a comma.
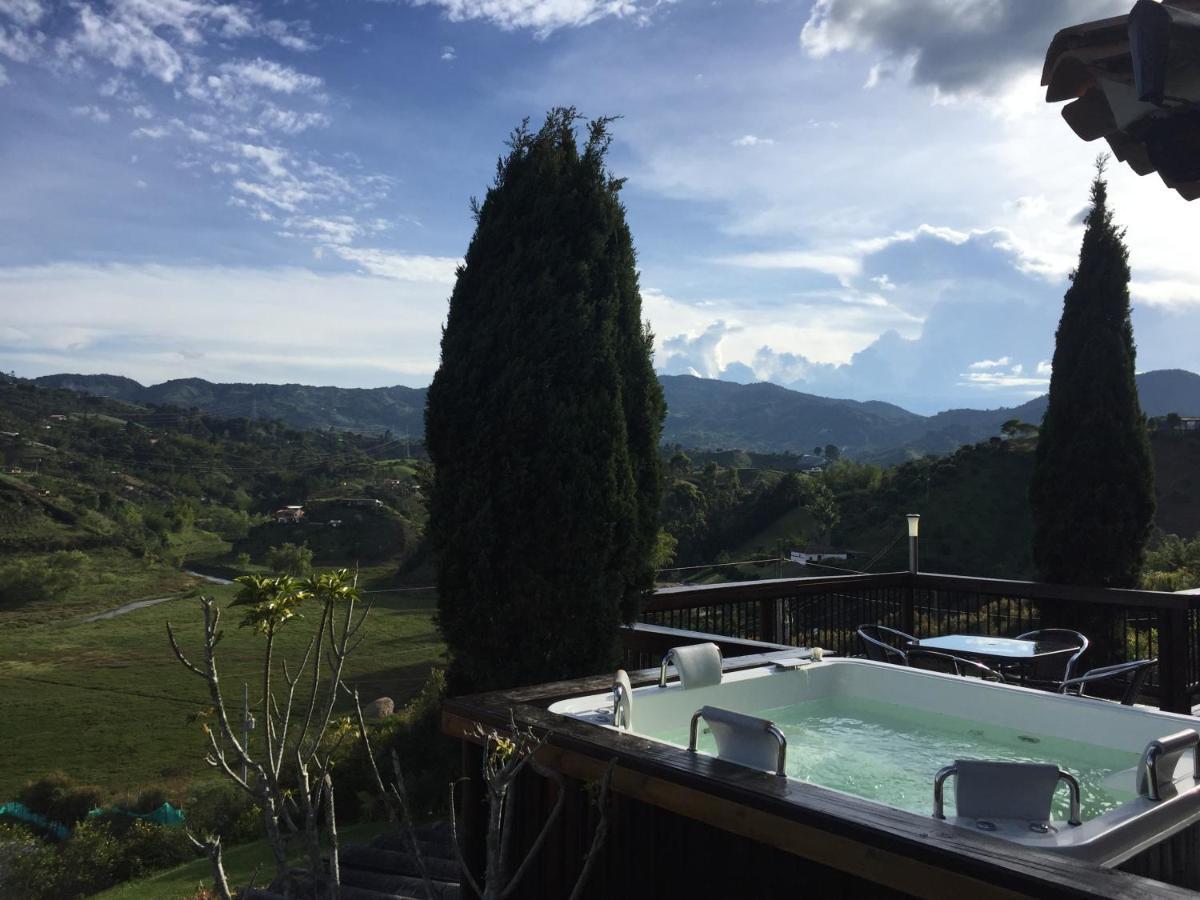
x: 980, y: 645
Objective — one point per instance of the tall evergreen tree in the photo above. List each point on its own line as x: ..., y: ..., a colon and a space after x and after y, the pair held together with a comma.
x: 543, y: 422
x: 1093, y: 484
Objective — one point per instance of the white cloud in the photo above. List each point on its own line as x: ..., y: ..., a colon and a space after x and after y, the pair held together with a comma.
x: 128, y: 40
x: 272, y: 76
x: 19, y: 45
x: 543, y: 16
x: 1044, y: 368
x: 448, y: 54
x: 1005, y: 381
x: 697, y: 354
x: 1167, y: 294
x: 95, y: 113
x: 24, y: 12
x: 290, y: 121
x: 841, y: 266
x: 402, y: 267
x: 113, y: 318
x: 990, y: 363
x: 152, y: 132
x: 163, y: 39
x: 750, y: 140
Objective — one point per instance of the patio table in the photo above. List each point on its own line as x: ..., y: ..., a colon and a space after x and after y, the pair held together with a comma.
x: 993, y: 649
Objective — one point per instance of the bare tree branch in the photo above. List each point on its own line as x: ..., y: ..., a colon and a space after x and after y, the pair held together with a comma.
x: 551, y: 819
x: 462, y: 863
x: 599, y: 836
x: 211, y: 847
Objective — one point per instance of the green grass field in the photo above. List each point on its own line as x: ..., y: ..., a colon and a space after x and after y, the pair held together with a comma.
x: 242, y: 864
x: 107, y: 702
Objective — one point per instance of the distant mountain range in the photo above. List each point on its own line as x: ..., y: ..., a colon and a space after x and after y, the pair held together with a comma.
x: 702, y: 413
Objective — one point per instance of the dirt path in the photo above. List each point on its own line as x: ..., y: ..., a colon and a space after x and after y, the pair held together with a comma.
x: 129, y: 607
x: 142, y: 604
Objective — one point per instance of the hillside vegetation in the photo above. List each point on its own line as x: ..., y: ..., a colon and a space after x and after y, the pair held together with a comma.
x: 974, y: 506
x: 701, y: 413
x: 110, y: 499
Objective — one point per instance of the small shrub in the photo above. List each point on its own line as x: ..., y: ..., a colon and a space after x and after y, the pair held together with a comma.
x: 426, y: 758
x: 60, y: 799
x: 221, y: 808
x: 28, y: 867
x: 147, y: 847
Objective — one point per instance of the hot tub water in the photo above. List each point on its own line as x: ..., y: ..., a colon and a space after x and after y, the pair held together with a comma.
x: 890, y: 753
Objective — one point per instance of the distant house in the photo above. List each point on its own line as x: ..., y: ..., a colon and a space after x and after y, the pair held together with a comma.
x: 289, y: 515
x: 1173, y: 422
x: 58, y: 417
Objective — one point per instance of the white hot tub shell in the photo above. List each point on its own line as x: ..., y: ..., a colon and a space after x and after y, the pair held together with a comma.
x: 1107, y: 839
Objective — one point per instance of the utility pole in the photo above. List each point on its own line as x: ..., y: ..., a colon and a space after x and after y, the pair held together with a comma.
x: 247, y: 725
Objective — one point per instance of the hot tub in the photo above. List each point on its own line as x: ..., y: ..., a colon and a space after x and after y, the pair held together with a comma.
x: 881, y: 733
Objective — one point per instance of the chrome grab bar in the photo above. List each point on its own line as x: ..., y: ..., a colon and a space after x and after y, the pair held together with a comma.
x: 939, y: 782
x: 662, y: 669
x: 1073, y: 788
x: 618, y: 690
x: 1165, y: 752
x: 730, y: 717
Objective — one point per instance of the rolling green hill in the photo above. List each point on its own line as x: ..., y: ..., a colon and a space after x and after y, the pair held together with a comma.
x: 701, y: 413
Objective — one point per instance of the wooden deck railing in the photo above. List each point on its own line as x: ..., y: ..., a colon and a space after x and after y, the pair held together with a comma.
x: 827, y: 611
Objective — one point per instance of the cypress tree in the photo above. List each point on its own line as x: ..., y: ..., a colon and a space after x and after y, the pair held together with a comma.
x: 1093, y: 483
x: 543, y: 422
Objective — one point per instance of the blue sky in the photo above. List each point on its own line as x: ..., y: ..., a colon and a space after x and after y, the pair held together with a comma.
x: 856, y: 198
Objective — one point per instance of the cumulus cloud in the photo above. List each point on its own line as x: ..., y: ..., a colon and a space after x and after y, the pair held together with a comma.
x: 448, y: 54
x: 955, y: 46
x: 700, y: 354
x: 957, y: 304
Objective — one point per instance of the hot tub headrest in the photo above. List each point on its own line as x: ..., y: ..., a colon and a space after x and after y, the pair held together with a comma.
x: 1003, y: 790
x: 742, y: 739
x: 622, y: 700
x: 698, y: 665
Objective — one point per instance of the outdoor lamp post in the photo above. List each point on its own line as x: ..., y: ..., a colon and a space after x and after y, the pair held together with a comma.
x: 914, y: 524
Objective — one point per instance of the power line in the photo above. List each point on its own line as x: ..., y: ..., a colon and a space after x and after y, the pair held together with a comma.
x: 744, y: 562
x: 432, y: 587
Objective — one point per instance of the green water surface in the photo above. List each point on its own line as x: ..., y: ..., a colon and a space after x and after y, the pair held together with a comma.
x: 890, y: 753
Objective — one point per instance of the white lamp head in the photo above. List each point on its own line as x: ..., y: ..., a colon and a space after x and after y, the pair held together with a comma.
x: 914, y: 523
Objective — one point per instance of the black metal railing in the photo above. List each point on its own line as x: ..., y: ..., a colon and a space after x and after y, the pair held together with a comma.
x: 827, y: 611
